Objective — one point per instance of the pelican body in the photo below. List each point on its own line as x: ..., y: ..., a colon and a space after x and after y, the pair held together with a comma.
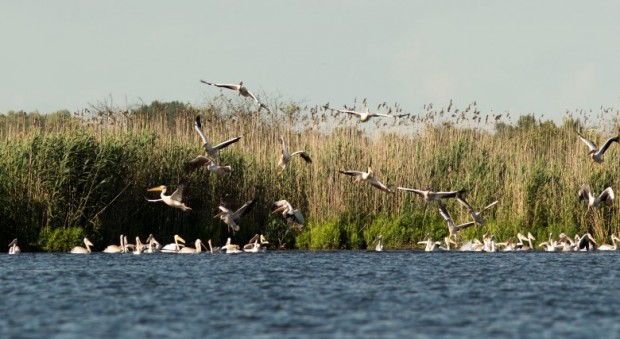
x: 173, y: 200
x: 197, y: 249
x: 82, y: 250
x: 597, y: 153
x: 115, y: 248
x: 286, y: 157
x: 175, y: 247
x: 363, y: 116
x: 293, y: 215
x: 13, y: 248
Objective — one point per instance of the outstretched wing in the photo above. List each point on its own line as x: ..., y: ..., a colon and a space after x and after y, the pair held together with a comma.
x: 243, y: 210
x: 303, y: 155
x: 352, y: 173
x: 226, y: 143
x: 195, y: 163
x: 229, y: 86
x: 465, y: 204
x: 198, y: 128
x: 349, y: 112
x: 607, y: 196
x: 608, y: 142
x: 180, y: 191
x: 489, y: 205
x: 376, y: 183
x: 443, y: 211
x: 588, y: 142
x: 413, y: 190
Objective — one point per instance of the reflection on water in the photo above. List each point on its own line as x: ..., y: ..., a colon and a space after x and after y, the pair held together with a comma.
x: 309, y: 294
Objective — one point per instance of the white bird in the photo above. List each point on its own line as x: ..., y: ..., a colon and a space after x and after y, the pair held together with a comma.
x: 230, y: 248
x: 379, y: 247
x: 13, y: 248
x: 211, y: 165
x: 197, y: 249
x: 139, y: 247
x: 230, y: 218
x: 241, y: 90
x: 595, y: 153
x: 285, y: 157
x: 607, y: 196
x: 476, y: 215
x: 115, y: 248
x: 213, y: 249
x: 430, y: 245
x: 452, y: 227
x: 254, y: 245
x: 82, y: 250
x: 489, y: 243
x: 174, y: 248
x: 585, y: 243
x: 363, y: 116
x: 521, y: 245
x: 175, y: 199
x: 288, y: 213
x: 153, y: 245
x: 429, y: 195
x: 369, y: 177
x: 608, y: 247
x: 549, y: 245
x: 211, y: 151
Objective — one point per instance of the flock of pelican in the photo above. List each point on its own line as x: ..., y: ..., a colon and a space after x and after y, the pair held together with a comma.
x: 295, y: 217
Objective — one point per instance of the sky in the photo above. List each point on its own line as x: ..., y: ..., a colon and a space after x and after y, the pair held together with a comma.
x: 541, y: 57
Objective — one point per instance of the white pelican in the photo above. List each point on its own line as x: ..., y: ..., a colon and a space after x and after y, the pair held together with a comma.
x: 364, y: 116
x: 452, y: 227
x: 82, y: 250
x: 489, y: 243
x: 197, y: 249
x: 231, y: 218
x: 213, y: 249
x: 254, y: 245
x: 115, y: 248
x: 241, y: 90
x: 139, y: 247
x: 290, y: 214
x: 549, y: 245
x: 230, y: 248
x: 430, y: 245
x: 211, y: 151
x: 13, y: 248
x: 595, y: 152
x: 152, y: 244
x: 379, y: 247
x: 507, y: 246
x: 607, y: 196
x: 174, y: 248
x: 211, y: 165
x: 476, y: 215
x: 285, y: 157
x: 608, y: 247
x: 173, y: 200
x: 432, y: 196
x: 448, y: 241
x: 369, y: 177
x: 521, y: 245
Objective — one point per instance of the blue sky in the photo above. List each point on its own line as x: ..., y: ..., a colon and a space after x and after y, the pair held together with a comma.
x: 538, y: 57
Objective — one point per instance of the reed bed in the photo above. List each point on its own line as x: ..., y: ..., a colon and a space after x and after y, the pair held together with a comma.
x: 65, y: 176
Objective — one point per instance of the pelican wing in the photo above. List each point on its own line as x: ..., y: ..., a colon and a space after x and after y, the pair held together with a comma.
x: 303, y: 155
x: 253, y: 97
x: 608, y: 142
x: 198, y: 128
x: 352, y: 173
x: 489, y: 205
x: 296, y: 217
x: 380, y: 115
x: 444, y: 212
x: 465, y: 225
x: 376, y: 183
x: 243, y: 210
x: 416, y: 191
x: 280, y: 206
x: 350, y: 112
x: 588, y: 142
x: 178, y: 194
x: 450, y: 194
x: 226, y: 143
x: 229, y: 86
x: 584, y: 192
x: 607, y: 196
x: 465, y: 204
x: 195, y: 163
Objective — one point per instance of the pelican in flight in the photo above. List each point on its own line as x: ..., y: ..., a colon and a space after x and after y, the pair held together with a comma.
x: 241, y: 90
x: 13, y: 248
x: 521, y: 245
x: 607, y: 196
x: 288, y: 213
x: 82, y: 250
x: 115, y: 248
x: 476, y: 215
x: 595, y: 152
x: 174, y: 248
x: 364, y: 116
x: 230, y: 248
x: 608, y: 247
x: 369, y: 177
x: 429, y: 195
x: 452, y: 227
x: 211, y: 165
x: 379, y: 247
x: 230, y: 218
x: 285, y: 157
x: 211, y: 151
x: 197, y: 249
x: 173, y: 200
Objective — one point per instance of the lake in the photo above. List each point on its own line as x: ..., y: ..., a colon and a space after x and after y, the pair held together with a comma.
x: 299, y: 294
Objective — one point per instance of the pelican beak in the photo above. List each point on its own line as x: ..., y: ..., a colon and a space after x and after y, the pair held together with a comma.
x: 179, y: 239
x: 156, y: 189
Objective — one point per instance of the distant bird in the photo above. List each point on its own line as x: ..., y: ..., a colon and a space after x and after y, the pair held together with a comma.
x: 368, y: 177
x: 430, y: 196
x: 521, y: 245
x: 595, y: 152
x: 213, y: 249
x: 608, y: 247
x: 197, y: 249
x: 209, y: 163
x: 285, y: 157
x: 379, y: 247
x: 115, y: 248
x: 606, y: 197
x: 13, y: 248
x: 231, y: 218
x: 256, y: 244
x: 231, y: 248
x: 453, y: 229
x: 585, y: 243
x: 364, y: 116
x: 476, y: 215
x: 153, y: 245
x: 82, y: 250
x: 175, y: 199
x: 211, y: 151
x: 288, y: 213
x: 175, y: 247
x: 240, y: 89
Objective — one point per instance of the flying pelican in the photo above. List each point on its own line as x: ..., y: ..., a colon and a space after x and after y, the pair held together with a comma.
x: 173, y: 200
x: 521, y: 245
x: 608, y: 247
x: 213, y: 249
x: 595, y: 152
x: 211, y: 165
x: 607, y: 196
x: 290, y: 214
x: 241, y: 90
x: 174, y: 248
x: 211, y: 151
x: 369, y: 177
x: 82, y: 250
x: 364, y: 116
x: 230, y: 248
x: 452, y: 227
x: 197, y: 249
x: 476, y: 215
x: 115, y: 248
x: 432, y: 196
x: 285, y: 157
x: 231, y: 218
x: 379, y: 247
x: 13, y: 248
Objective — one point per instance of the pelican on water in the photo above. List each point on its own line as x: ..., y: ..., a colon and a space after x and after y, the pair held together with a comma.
x: 174, y: 248
x: 607, y: 196
x: 115, y: 248
x: 230, y: 218
x: 429, y: 195
x: 241, y: 90
x: 364, y: 116
x: 369, y: 177
x: 211, y: 165
x: 476, y: 215
x: 197, y: 249
x: 452, y: 227
x: 82, y: 250
x: 230, y: 248
x: 290, y: 214
x: 595, y: 152
x: 152, y: 244
x: 285, y: 157
x: 521, y: 245
x: 139, y: 246
x: 213, y: 249
x: 257, y: 244
x: 211, y: 151
x: 13, y: 248
x: 174, y: 200
x: 379, y: 247
x: 608, y: 247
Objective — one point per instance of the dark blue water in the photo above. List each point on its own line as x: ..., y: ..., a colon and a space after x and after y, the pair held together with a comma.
x: 352, y: 294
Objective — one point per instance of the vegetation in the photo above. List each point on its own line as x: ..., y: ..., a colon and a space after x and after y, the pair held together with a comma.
x: 68, y: 175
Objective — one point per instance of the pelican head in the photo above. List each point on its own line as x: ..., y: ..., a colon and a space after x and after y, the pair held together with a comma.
x: 87, y: 242
x: 14, y: 242
x: 177, y: 238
